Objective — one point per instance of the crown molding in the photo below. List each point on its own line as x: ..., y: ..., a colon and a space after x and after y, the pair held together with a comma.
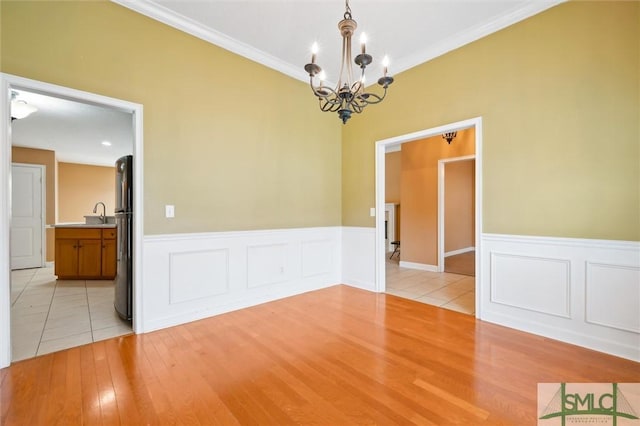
x: 514, y: 16
x: 189, y: 26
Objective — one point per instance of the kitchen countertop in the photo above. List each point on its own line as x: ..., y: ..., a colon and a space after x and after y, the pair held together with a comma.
x: 84, y: 225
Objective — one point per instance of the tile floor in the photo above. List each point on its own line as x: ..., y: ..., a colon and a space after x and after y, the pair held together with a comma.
x: 449, y: 291
x: 49, y: 315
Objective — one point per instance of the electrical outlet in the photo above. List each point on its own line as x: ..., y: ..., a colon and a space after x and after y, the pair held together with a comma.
x: 169, y: 211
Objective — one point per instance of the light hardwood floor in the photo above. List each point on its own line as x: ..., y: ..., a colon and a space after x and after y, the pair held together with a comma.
x: 337, y: 356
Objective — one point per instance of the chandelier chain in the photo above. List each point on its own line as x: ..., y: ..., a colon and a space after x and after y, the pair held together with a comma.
x: 347, y: 13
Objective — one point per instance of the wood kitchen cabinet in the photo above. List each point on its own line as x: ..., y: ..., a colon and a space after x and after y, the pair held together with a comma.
x: 85, y: 253
x: 109, y: 253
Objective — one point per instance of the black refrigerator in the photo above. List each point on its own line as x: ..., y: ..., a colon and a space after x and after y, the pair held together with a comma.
x: 124, y: 223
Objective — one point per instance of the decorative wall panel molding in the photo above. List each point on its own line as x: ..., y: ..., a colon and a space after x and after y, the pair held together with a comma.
x: 198, y: 274
x: 266, y: 264
x: 193, y: 276
x: 529, y: 282
x: 613, y: 285
x: 585, y: 292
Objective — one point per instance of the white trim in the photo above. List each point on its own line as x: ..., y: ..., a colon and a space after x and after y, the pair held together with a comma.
x: 441, y: 201
x: 459, y: 251
x: 419, y: 266
x: 196, y: 29
x: 380, y: 152
x: 7, y: 82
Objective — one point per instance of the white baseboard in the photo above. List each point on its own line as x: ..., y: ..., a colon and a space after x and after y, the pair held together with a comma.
x: 585, y: 292
x: 459, y: 251
x: 420, y: 266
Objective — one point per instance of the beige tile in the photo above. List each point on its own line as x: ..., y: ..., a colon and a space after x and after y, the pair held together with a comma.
x: 69, y: 301
x: 66, y: 342
x: 447, y: 293
x: 26, y: 317
x: 23, y: 351
x: 114, y: 331
x: 55, y: 331
x: 430, y: 300
x: 468, y: 283
x: 98, y: 323
x: 69, y: 315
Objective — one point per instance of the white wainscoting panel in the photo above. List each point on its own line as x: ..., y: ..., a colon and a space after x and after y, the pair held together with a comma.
x: 359, y: 257
x: 585, y: 292
x: 533, y: 283
x: 198, y: 274
x: 613, y: 285
x: 317, y: 258
x: 193, y: 276
x: 266, y: 264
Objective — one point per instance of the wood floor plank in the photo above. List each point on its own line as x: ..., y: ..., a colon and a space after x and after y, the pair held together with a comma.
x: 338, y: 356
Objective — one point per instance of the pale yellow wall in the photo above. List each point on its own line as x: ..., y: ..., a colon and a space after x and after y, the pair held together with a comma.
x: 46, y: 158
x: 80, y: 187
x: 459, y: 205
x: 559, y: 97
x: 419, y: 193
x: 232, y: 144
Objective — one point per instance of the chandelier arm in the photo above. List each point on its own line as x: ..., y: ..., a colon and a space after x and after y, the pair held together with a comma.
x: 329, y: 106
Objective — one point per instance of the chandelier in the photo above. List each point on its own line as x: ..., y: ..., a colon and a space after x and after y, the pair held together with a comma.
x: 349, y: 95
x: 449, y: 136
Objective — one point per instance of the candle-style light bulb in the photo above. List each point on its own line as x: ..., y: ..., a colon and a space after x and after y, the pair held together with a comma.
x: 363, y: 41
x: 385, y: 64
x: 314, y: 52
x: 322, y: 76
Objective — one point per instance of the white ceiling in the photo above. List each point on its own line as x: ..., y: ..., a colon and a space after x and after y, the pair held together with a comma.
x: 74, y: 130
x: 278, y: 34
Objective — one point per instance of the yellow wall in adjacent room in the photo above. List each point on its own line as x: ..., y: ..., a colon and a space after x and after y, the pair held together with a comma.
x: 559, y: 97
x: 80, y: 187
x: 232, y: 144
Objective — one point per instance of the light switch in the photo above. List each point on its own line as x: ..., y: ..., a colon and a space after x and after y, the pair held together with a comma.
x: 169, y: 211
x: 372, y: 212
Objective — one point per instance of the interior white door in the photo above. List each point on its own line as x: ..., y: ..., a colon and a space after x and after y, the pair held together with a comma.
x: 27, y: 216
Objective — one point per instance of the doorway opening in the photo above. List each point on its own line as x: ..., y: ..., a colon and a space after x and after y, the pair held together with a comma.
x: 456, y: 215
x: 382, y: 258
x: 9, y: 83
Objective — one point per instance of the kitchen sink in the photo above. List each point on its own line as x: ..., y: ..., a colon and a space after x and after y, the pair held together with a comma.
x: 97, y: 220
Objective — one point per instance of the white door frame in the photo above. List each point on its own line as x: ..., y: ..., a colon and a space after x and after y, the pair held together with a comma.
x: 441, y: 195
x: 43, y: 210
x: 381, y: 147
x: 8, y: 82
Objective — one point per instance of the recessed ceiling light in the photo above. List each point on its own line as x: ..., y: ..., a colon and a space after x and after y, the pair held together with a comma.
x: 106, y: 143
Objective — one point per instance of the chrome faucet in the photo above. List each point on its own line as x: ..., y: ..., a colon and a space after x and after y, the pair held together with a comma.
x: 103, y: 216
